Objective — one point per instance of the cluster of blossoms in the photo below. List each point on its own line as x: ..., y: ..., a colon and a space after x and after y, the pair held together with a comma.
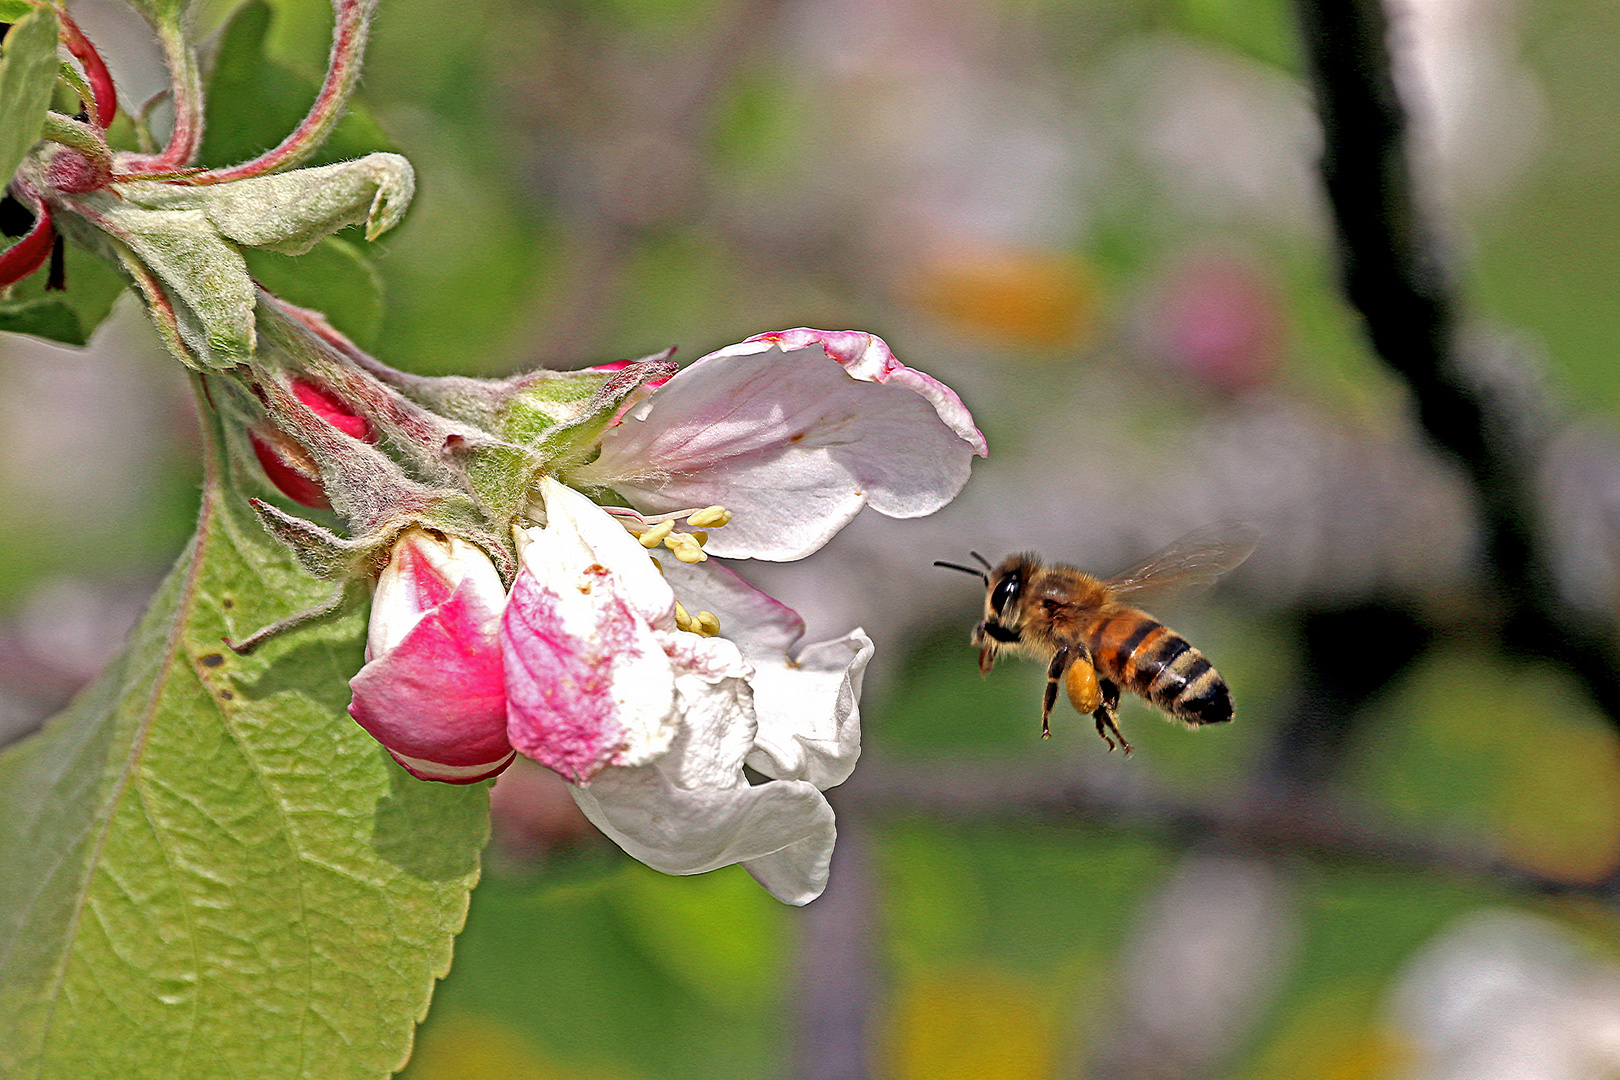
x: 539, y: 546
x: 645, y: 673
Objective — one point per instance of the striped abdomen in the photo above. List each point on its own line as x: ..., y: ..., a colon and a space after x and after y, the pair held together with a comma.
x: 1151, y: 660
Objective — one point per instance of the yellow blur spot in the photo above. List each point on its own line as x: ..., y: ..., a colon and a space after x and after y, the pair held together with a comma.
x: 973, y: 1026
x: 1335, y: 1037
x: 1029, y: 297
x: 1561, y: 804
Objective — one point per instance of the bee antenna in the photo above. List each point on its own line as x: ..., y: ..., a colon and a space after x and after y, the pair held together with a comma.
x: 984, y: 562
x: 965, y: 569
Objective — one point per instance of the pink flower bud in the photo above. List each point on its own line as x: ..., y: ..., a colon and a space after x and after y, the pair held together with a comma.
x: 291, y: 469
x: 432, y: 690
x: 288, y: 465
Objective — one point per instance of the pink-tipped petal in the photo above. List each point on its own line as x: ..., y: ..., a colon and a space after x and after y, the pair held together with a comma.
x: 793, y: 437
x: 868, y: 357
x: 588, y: 684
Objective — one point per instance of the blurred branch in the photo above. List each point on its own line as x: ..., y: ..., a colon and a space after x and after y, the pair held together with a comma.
x: 1395, y: 277
x: 1298, y: 821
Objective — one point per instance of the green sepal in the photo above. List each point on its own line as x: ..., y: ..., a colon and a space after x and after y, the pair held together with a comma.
x: 203, y: 277
x: 28, y: 68
x: 293, y: 211
x: 186, y: 239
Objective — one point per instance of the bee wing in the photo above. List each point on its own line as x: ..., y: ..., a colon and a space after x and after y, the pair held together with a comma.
x: 1190, y: 564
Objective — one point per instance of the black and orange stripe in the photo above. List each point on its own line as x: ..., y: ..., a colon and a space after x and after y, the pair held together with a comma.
x: 1148, y: 658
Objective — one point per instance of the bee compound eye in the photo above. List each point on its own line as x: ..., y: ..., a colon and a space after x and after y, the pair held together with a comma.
x: 1005, y: 592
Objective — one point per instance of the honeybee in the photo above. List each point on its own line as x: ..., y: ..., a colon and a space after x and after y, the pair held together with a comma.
x: 1095, y: 645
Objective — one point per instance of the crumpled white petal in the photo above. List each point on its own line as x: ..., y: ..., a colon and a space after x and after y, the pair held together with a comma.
x: 693, y: 809
x: 793, y: 432
x: 653, y: 724
x: 807, y: 700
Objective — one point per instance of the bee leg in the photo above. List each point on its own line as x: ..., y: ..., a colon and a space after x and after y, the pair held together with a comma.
x: 1054, y: 675
x: 1107, y: 715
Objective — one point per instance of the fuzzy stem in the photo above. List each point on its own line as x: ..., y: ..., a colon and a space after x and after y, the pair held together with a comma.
x: 352, y: 20
x: 103, y: 100
x: 185, y: 82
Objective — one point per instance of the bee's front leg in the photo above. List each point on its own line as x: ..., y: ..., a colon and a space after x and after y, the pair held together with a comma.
x: 1055, y: 672
x: 1107, y: 715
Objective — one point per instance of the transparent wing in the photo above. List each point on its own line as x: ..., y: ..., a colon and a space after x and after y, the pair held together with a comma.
x: 1190, y: 564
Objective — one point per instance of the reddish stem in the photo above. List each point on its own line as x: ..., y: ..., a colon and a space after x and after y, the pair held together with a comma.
x: 105, y: 105
x: 29, y: 253
x: 348, y: 42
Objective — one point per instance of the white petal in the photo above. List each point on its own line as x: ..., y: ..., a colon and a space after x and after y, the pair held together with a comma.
x: 807, y: 700
x: 692, y: 831
x: 809, y: 712
x: 798, y: 873
x: 790, y: 441
x: 581, y: 533
x: 716, y: 727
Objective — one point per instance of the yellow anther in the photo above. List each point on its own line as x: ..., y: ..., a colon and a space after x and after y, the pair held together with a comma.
x: 700, y: 536
x: 686, y: 549
x: 710, y: 517
x: 704, y: 624
x: 655, y: 535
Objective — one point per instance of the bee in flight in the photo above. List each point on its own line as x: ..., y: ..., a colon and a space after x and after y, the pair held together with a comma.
x: 1095, y: 645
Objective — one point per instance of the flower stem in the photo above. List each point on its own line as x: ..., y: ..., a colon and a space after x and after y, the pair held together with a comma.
x: 103, y: 99
x: 352, y: 21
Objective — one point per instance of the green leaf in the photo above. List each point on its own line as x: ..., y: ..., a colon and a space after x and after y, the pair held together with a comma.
x: 253, y: 101
x: 210, y: 870
x: 334, y: 277
x: 27, y: 77
x: 12, y: 11
x: 43, y: 317
x: 70, y: 316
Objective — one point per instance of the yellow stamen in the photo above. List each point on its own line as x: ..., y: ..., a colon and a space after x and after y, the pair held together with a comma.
x: 685, y: 547
x: 711, y: 517
x: 655, y: 535
x: 704, y: 624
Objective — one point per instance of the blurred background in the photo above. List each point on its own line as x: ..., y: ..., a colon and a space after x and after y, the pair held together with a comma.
x: 1103, y: 225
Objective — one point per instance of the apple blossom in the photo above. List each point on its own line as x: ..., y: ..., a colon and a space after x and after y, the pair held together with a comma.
x: 653, y: 723
x: 431, y: 690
